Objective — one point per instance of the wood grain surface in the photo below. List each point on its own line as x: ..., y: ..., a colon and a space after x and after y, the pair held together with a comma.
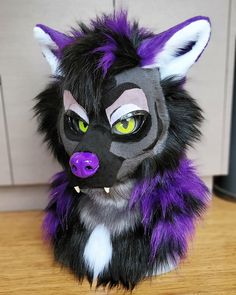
x: 27, y: 267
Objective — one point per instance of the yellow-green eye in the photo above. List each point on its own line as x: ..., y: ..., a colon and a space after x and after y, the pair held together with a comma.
x: 75, y: 123
x: 83, y: 126
x: 125, y: 126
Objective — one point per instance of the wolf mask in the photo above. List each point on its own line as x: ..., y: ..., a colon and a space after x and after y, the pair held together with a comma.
x: 117, y: 118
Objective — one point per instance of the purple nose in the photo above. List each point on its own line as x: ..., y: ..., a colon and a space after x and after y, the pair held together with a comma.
x: 84, y: 164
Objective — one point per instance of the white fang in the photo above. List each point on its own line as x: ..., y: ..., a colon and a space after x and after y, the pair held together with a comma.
x: 98, y: 250
x: 107, y: 190
x: 77, y: 189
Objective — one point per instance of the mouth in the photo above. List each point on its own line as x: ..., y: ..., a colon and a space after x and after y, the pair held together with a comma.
x: 106, y: 189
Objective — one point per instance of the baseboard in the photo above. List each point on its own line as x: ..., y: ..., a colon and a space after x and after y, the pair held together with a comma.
x: 14, y: 198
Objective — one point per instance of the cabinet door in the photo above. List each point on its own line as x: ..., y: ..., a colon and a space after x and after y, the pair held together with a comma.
x: 206, y: 79
x: 5, y: 173
x: 25, y: 73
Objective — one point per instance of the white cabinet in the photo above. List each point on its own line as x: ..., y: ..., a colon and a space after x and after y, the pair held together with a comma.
x: 25, y: 73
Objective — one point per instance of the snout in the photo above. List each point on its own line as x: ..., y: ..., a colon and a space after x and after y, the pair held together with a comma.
x: 84, y: 164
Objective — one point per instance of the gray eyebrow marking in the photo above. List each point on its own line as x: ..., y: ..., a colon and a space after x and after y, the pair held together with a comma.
x: 134, y: 96
x: 71, y: 104
x: 114, y: 111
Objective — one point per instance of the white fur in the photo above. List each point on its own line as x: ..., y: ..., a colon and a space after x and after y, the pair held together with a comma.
x: 166, y: 60
x: 167, y: 267
x: 47, y: 45
x: 98, y: 250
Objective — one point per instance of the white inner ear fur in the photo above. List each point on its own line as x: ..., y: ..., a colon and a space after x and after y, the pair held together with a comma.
x: 168, y: 63
x: 98, y: 250
x: 47, y: 45
x: 71, y: 104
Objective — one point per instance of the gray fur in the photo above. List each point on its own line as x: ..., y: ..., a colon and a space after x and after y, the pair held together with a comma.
x: 132, y: 149
x: 112, y: 210
x: 149, y: 81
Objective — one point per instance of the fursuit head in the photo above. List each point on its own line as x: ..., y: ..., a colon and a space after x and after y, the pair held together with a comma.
x: 118, y: 119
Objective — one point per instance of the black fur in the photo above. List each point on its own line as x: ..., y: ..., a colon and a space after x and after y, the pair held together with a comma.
x: 131, y: 260
x: 47, y: 109
x: 185, y: 119
x: 131, y: 252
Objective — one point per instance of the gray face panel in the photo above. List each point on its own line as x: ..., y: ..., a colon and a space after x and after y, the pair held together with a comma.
x: 134, y: 152
x: 70, y: 145
x: 149, y: 81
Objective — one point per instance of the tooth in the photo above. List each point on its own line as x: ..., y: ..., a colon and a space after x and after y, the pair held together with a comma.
x: 77, y: 189
x: 107, y: 190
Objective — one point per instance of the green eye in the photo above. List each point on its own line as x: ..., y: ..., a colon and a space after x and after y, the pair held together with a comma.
x: 125, y: 126
x: 130, y: 123
x: 83, y: 126
x: 75, y: 123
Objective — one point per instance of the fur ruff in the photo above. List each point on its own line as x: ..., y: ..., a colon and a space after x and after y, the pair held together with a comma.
x: 170, y: 204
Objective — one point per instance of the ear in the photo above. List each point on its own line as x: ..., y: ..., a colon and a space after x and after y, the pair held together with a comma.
x: 175, y: 50
x: 51, y: 42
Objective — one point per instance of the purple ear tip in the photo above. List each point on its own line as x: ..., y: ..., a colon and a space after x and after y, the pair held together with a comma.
x: 41, y: 26
x: 60, y: 39
x: 199, y: 17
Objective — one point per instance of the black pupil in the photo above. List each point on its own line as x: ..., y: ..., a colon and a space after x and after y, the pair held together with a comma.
x: 125, y: 123
x: 74, y: 123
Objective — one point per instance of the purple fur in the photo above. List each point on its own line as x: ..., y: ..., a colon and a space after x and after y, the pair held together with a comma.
x: 177, y: 233
x: 111, y: 24
x: 61, y: 198
x: 108, y: 57
x: 152, y: 46
x: 118, y: 24
x: 166, y: 192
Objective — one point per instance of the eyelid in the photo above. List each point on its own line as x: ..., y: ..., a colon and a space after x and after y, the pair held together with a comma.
x: 134, y: 96
x: 122, y: 111
x: 74, y: 115
x: 132, y: 114
x: 79, y: 110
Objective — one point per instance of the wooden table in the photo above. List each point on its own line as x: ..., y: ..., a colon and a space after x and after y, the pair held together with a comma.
x: 27, y: 267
